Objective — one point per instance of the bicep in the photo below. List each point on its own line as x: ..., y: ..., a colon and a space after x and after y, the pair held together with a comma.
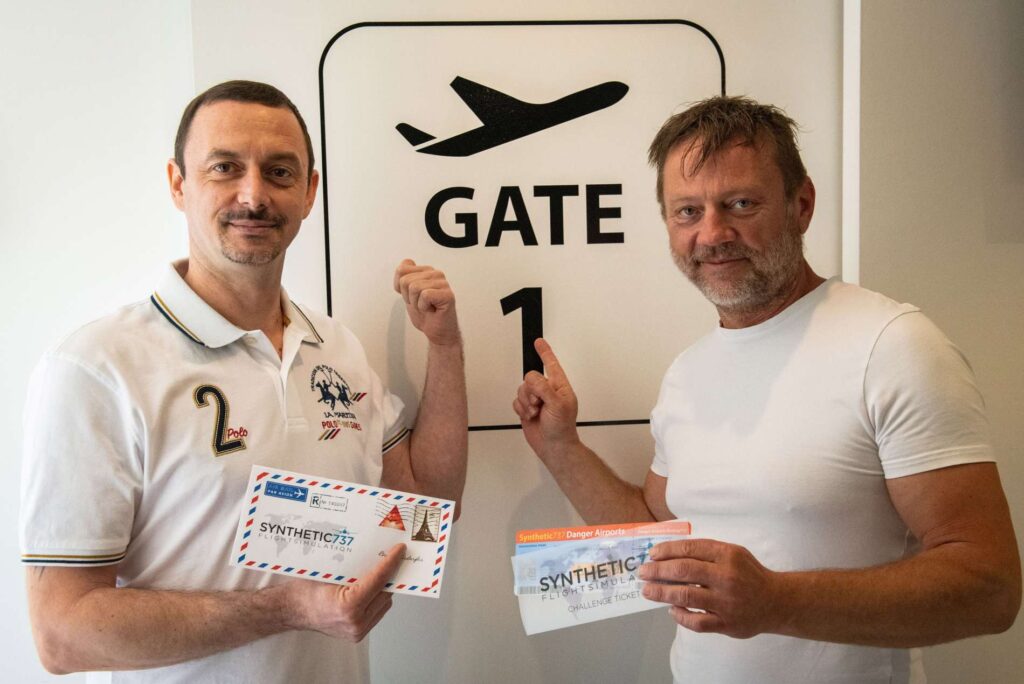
x: 962, y: 504
x: 397, y: 468
x: 654, y: 496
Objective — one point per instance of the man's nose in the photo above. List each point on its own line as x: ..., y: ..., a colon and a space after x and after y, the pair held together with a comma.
x: 252, y: 189
x: 715, y: 229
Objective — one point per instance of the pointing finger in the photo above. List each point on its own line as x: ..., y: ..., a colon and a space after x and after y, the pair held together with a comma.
x: 372, y: 583
x: 552, y: 367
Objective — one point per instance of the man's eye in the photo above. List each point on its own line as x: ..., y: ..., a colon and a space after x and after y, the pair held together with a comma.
x: 688, y: 212
x: 743, y: 204
x: 280, y: 172
x: 222, y: 167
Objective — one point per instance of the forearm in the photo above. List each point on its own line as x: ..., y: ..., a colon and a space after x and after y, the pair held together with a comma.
x: 440, y: 441
x: 594, y: 490
x: 941, y: 594
x: 111, y: 628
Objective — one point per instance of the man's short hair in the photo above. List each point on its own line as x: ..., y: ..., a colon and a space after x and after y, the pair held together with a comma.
x: 237, y: 91
x: 719, y: 122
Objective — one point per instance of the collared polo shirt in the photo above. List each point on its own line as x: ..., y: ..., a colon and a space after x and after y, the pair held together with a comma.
x: 141, y: 429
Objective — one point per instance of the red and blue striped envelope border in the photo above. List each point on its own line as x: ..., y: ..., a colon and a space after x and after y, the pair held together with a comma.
x: 432, y: 589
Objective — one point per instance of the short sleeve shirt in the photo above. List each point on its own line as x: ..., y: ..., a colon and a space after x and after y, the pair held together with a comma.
x: 141, y: 429
x: 780, y: 437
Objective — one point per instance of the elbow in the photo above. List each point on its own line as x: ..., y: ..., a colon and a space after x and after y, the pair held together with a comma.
x: 54, y: 654
x: 1003, y: 602
x: 53, y: 667
x: 1007, y: 607
x: 66, y: 628
x: 62, y: 649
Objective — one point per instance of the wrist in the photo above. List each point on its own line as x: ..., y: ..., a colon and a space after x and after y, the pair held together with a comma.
x: 450, y: 344
x: 781, y: 592
x: 282, y: 604
x: 561, y: 447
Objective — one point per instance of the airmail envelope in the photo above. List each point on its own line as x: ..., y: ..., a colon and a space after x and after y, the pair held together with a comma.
x: 334, y: 531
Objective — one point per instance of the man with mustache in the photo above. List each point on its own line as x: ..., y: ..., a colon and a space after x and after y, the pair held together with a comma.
x: 142, y: 428
x: 828, y: 444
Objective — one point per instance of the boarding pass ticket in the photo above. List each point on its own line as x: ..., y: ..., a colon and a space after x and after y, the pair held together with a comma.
x: 571, y: 576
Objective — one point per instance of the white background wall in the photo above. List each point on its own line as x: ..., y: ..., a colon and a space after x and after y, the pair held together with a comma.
x: 90, y: 98
x: 90, y: 94
x: 942, y: 220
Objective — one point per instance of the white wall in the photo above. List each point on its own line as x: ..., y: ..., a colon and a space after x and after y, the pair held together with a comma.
x: 91, y: 94
x: 942, y: 220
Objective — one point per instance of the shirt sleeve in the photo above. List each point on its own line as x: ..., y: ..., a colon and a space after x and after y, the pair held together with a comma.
x: 923, y: 400
x: 81, y: 476
x: 659, y: 464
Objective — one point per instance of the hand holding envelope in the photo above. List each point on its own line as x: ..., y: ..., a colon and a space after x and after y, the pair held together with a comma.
x: 347, y: 611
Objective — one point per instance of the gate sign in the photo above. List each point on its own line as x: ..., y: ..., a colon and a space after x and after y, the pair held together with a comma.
x: 512, y: 155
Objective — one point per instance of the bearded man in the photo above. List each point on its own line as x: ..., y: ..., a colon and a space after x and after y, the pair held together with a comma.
x: 828, y: 444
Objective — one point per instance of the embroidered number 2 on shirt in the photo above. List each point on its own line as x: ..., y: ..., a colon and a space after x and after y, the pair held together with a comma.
x: 221, y: 442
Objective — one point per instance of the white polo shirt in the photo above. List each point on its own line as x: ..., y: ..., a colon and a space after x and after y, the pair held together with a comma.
x: 140, y: 432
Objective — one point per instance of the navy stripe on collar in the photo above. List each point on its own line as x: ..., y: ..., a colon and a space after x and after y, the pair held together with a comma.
x: 172, y: 319
x: 312, y: 328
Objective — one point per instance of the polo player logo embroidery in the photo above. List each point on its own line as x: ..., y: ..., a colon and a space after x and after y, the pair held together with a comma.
x: 333, y: 388
x: 337, y: 397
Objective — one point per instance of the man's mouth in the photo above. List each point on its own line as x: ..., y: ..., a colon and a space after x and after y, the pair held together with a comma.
x: 720, y: 262
x: 251, y: 221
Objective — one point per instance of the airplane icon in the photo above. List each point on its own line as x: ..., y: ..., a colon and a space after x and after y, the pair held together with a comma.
x: 506, y: 119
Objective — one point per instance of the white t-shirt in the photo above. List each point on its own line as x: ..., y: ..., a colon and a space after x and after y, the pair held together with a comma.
x: 779, y: 437
x: 140, y: 432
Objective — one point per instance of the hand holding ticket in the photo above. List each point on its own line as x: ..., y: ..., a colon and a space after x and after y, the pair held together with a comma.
x: 570, y: 576
x: 334, y: 531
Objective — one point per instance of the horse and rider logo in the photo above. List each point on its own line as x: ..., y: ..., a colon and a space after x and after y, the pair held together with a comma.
x: 333, y: 388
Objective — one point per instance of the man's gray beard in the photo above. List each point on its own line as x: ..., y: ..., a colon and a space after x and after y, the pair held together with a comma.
x: 772, y: 271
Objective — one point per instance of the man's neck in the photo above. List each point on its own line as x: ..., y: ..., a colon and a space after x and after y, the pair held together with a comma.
x: 249, y: 298
x: 805, y: 282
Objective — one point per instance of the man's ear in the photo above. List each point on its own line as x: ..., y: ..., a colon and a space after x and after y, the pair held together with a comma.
x: 176, y: 180
x: 805, y: 204
x: 314, y: 183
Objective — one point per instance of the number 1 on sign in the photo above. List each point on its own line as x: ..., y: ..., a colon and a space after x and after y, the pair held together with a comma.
x: 529, y: 300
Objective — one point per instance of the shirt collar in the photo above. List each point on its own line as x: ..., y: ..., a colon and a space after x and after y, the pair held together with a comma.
x: 199, y: 322
x: 297, y: 318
